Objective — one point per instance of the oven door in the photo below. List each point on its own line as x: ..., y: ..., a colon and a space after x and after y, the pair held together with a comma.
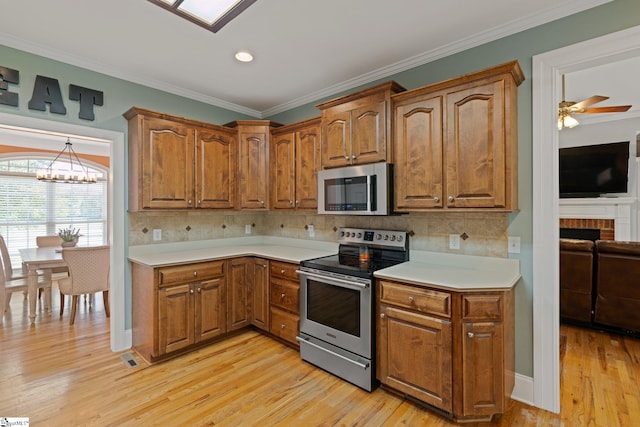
x: 337, y: 309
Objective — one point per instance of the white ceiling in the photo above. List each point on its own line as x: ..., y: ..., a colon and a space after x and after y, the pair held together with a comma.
x: 304, y: 49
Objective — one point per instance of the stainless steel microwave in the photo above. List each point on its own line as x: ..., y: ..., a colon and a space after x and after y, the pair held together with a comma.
x: 356, y: 190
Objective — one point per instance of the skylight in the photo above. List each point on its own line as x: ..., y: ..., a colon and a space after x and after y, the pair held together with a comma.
x: 209, y: 14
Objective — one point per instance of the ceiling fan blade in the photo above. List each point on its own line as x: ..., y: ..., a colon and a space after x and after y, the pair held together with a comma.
x: 612, y: 109
x: 589, y: 101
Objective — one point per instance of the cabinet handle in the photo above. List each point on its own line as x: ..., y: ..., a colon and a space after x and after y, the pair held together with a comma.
x: 436, y: 199
x: 282, y: 295
x: 470, y: 334
x: 199, y: 290
x: 297, y: 202
x: 353, y: 157
x: 290, y: 202
x: 261, y: 202
x: 190, y: 291
x: 195, y: 273
x: 410, y: 299
x: 264, y: 266
x: 282, y: 271
x: 346, y: 157
x: 382, y: 315
x: 450, y: 198
x: 282, y: 326
x: 189, y: 201
x: 199, y: 202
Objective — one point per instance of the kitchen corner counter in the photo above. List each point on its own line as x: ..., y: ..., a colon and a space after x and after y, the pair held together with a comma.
x: 455, y: 272
x: 277, y: 248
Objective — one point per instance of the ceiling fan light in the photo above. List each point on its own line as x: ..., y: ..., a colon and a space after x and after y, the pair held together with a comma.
x: 570, y: 122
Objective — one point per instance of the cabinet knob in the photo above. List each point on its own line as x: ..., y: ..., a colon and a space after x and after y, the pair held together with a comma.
x: 410, y: 299
x: 346, y: 157
x: 436, y: 199
x: 199, y: 202
x: 450, y: 198
x: 189, y: 201
x: 297, y: 202
x: 282, y: 271
x: 470, y: 334
x: 264, y: 265
x: 291, y: 202
x: 261, y: 202
x: 199, y: 290
x: 382, y: 315
x: 282, y: 295
x: 195, y: 273
x: 190, y: 291
x: 353, y: 156
x: 282, y: 326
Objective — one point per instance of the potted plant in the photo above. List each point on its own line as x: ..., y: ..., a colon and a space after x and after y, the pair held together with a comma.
x: 69, y: 236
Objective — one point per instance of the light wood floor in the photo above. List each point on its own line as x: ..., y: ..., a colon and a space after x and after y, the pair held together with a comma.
x: 62, y: 375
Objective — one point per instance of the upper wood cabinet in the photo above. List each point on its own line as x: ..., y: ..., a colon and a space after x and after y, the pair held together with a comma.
x: 176, y: 163
x: 356, y: 129
x: 253, y: 162
x: 456, y: 142
x: 295, y: 161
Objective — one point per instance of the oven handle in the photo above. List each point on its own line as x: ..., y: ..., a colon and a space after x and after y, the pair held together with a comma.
x: 334, y: 280
x: 359, y: 364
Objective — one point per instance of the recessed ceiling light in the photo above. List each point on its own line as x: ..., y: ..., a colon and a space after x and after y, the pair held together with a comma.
x: 244, y: 56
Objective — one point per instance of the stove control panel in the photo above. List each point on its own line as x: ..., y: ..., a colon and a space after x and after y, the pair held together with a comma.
x: 359, y: 236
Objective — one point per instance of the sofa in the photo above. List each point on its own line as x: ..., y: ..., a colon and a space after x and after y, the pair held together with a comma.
x: 576, y: 280
x: 617, y: 301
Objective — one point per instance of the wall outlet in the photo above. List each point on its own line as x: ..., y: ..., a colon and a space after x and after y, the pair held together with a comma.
x: 514, y: 245
x: 312, y: 231
x: 157, y: 234
x: 247, y: 229
x: 454, y: 241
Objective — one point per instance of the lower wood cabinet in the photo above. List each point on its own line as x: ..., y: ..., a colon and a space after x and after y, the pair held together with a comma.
x: 284, y: 298
x: 451, y: 350
x: 259, y: 294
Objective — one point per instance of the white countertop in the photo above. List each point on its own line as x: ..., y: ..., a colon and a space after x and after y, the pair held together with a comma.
x: 455, y: 272
x: 278, y: 248
x: 443, y: 270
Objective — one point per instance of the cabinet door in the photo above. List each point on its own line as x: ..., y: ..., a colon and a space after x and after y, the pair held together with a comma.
x: 307, y: 166
x: 336, y: 139
x: 475, y: 151
x: 253, y: 168
x: 418, y: 153
x: 215, y: 169
x: 259, y: 294
x: 368, y: 137
x: 283, y: 171
x: 237, y: 297
x: 210, y: 315
x: 482, y: 369
x: 414, y: 355
x: 175, y: 318
x: 167, y: 166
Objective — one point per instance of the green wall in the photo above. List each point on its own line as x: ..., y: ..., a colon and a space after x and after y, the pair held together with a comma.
x: 121, y: 95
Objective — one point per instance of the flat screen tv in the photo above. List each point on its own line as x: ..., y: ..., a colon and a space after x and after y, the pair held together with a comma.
x: 594, y: 170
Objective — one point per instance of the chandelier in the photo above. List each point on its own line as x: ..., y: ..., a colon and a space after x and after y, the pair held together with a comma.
x: 73, y: 175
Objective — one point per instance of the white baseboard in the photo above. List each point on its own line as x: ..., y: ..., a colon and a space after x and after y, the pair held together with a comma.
x: 523, y: 390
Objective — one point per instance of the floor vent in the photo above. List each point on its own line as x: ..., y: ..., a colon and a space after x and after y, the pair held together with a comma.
x: 129, y: 360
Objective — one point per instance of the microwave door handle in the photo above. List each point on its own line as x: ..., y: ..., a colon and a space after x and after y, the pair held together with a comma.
x: 373, y: 188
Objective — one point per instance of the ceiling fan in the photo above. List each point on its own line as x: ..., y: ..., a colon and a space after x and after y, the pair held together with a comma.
x: 566, y: 109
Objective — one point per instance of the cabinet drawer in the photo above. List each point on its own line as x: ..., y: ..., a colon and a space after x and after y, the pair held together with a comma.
x: 415, y: 298
x: 284, y: 325
x: 190, y: 272
x: 285, y: 295
x: 284, y: 269
x: 482, y: 307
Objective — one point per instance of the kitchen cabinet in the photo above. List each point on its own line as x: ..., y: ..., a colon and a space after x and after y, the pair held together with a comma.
x: 177, y: 163
x: 177, y: 307
x: 284, y: 295
x: 456, y: 143
x: 259, y: 294
x: 238, y: 283
x: 453, y: 350
x: 356, y: 128
x: 295, y: 161
x: 253, y: 162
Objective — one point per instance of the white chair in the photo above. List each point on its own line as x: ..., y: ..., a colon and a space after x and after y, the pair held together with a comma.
x: 88, y: 274
x: 57, y: 273
x: 16, y: 279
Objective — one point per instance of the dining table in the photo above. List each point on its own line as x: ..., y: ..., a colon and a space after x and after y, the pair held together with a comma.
x: 34, y: 259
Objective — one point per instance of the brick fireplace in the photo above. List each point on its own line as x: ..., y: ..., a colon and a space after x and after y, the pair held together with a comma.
x: 606, y: 226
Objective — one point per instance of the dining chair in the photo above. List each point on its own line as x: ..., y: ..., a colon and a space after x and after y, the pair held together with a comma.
x: 57, y: 273
x: 88, y: 274
x: 10, y: 282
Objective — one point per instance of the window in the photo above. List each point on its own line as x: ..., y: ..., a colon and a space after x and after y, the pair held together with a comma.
x: 30, y: 208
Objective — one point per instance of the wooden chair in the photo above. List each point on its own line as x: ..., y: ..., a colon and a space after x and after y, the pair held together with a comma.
x: 9, y: 282
x: 15, y: 279
x: 88, y: 274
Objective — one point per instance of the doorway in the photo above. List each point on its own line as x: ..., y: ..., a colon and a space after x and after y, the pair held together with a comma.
x: 120, y: 337
x: 547, y: 71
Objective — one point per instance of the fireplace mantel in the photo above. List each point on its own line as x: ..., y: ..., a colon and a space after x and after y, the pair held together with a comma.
x: 617, y: 208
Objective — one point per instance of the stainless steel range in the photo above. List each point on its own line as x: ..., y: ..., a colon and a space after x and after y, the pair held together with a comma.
x: 337, y: 302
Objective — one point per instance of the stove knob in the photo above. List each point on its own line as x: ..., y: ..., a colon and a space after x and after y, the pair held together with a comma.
x: 386, y: 237
x: 359, y: 235
x: 400, y: 239
x: 393, y: 238
x: 378, y: 236
x: 342, y: 234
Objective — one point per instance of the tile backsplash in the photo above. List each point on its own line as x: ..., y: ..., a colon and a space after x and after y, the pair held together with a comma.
x: 487, y: 232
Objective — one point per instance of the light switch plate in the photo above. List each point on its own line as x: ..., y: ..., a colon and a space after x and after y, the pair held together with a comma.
x: 157, y: 234
x: 454, y: 241
x: 247, y: 229
x: 312, y: 231
x: 514, y: 245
